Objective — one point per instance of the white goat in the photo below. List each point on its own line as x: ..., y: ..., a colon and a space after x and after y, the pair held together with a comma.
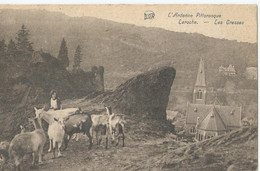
x: 99, y: 126
x: 116, y: 124
x: 64, y: 112
x: 79, y: 123
x: 56, y: 133
x: 28, y: 142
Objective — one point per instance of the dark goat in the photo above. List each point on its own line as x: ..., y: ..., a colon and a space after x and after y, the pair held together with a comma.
x: 80, y: 123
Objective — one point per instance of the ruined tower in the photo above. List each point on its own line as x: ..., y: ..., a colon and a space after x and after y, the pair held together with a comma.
x: 99, y: 78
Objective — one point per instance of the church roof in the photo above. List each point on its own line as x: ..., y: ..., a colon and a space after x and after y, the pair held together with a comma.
x: 201, y: 74
x: 212, y: 122
x: 230, y: 115
x: 216, y: 101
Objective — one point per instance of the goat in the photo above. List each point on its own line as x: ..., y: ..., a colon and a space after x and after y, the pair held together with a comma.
x: 116, y: 124
x: 64, y: 112
x: 56, y: 133
x: 28, y: 142
x: 100, y: 125
x: 76, y: 137
x: 50, y: 114
x: 80, y: 123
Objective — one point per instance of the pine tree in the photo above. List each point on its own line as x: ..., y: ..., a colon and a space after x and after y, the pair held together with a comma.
x: 24, y: 46
x: 11, y: 49
x: 63, y: 53
x: 77, y: 59
x: 2, y: 50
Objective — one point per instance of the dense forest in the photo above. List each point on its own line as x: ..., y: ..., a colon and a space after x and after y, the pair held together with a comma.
x: 28, y: 75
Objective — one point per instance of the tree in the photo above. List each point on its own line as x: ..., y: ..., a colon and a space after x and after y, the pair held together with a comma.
x: 2, y: 62
x: 11, y: 49
x: 2, y: 50
x: 63, y: 54
x: 77, y: 59
x: 24, y: 46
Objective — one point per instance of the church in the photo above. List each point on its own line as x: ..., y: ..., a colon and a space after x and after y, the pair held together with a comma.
x: 208, y: 120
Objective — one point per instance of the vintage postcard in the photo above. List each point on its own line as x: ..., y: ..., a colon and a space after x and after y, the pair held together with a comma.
x: 129, y: 87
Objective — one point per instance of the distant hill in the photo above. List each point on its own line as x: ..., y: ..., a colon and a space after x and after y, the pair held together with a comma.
x: 125, y: 50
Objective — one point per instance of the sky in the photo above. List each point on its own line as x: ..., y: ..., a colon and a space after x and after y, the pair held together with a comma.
x: 218, y: 27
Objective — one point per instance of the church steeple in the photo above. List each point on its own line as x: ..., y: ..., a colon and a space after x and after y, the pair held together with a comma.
x: 199, y: 93
x: 201, y: 75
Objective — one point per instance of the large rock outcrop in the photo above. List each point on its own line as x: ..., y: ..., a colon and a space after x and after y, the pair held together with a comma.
x: 146, y: 94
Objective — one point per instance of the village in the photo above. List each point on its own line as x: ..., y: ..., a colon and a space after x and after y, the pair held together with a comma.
x: 204, y: 119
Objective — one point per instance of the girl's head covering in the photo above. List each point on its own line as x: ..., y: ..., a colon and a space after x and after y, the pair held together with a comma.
x: 53, y: 91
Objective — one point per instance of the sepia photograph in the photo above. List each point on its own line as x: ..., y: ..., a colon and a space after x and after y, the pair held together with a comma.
x: 97, y: 87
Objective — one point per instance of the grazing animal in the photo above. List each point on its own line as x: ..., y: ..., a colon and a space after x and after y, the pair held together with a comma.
x: 80, y: 123
x: 76, y: 137
x: 56, y: 133
x: 116, y: 124
x: 64, y: 112
x: 99, y: 126
x: 50, y: 114
x: 28, y: 143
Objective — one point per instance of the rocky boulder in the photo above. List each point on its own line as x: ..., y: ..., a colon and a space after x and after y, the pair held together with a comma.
x: 146, y: 94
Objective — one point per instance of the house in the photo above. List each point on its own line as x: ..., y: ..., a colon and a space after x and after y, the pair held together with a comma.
x: 227, y: 71
x: 251, y: 73
x: 208, y: 120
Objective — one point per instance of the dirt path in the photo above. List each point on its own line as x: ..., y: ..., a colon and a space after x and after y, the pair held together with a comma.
x: 135, y: 156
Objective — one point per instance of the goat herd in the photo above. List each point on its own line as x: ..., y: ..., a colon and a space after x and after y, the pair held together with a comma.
x: 62, y: 125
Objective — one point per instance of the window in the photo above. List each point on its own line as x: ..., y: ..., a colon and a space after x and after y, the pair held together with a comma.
x: 199, y: 94
x: 200, y: 137
x: 192, y: 130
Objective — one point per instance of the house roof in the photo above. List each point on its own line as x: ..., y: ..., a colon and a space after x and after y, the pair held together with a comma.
x: 230, y: 115
x: 212, y: 122
x: 201, y: 75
